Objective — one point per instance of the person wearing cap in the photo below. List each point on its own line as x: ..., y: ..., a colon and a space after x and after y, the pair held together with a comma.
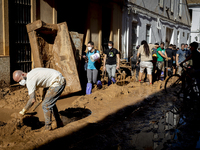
x: 133, y: 61
x: 111, y: 62
x: 53, y: 83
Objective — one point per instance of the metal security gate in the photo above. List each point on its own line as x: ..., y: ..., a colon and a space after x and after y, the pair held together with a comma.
x: 20, y: 51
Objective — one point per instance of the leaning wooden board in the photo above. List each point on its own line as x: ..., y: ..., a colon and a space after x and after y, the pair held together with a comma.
x: 62, y: 56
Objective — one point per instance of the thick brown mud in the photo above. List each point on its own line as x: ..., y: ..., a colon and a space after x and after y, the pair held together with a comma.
x: 108, y: 118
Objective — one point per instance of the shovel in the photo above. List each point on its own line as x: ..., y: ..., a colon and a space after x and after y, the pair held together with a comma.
x: 42, y: 98
x: 103, y: 78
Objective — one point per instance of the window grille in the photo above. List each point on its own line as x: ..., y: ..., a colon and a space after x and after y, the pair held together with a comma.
x: 20, y: 51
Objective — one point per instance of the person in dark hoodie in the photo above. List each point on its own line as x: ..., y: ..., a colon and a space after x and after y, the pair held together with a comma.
x: 135, y: 68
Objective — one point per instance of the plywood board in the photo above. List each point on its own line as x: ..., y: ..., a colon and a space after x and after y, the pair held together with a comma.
x: 51, y: 48
x: 77, y: 43
x: 65, y: 60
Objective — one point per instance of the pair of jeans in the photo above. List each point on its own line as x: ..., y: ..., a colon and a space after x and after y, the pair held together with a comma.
x: 135, y: 68
x: 111, y: 69
x: 49, y: 103
x: 92, y: 75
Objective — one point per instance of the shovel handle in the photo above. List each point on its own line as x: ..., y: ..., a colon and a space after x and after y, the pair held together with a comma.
x: 37, y: 105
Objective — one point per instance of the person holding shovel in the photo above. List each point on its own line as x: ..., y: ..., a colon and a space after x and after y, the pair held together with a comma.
x: 52, y: 81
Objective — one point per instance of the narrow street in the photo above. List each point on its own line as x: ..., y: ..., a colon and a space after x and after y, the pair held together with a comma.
x: 150, y: 124
x: 90, y: 75
x: 131, y: 116
x: 153, y: 125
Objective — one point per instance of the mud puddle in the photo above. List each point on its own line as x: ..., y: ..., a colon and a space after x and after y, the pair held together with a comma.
x: 154, y: 125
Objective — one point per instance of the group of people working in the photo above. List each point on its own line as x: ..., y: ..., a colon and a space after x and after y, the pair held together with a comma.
x: 149, y: 57
x: 159, y: 62
x: 110, y: 65
x: 54, y: 83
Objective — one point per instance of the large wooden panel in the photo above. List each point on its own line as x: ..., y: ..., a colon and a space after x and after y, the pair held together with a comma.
x: 51, y: 48
x: 77, y: 44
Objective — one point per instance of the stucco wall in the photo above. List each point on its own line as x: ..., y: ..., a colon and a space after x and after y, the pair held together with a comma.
x: 145, y: 17
x: 94, y: 24
x: 153, y: 5
x: 1, y: 30
x: 5, y: 69
x: 195, y: 28
x: 46, y: 11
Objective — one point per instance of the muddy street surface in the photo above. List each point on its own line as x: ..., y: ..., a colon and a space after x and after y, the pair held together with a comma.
x: 155, y: 124
x: 127, y: 115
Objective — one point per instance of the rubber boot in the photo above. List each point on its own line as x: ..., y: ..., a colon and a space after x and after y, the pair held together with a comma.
x: 89, y: 88
x: 162, y: 76
x: 109, y: 82
x: 99, y: 84
x: 48, y: 120
x: 113, y: 80
x: 57, y: 117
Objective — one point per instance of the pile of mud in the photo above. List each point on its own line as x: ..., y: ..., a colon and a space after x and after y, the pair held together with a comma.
x: 121, y: 88
x: 29, y: 135
x: 14, y: 97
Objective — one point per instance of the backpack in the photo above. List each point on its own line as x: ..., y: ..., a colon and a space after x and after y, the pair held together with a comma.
x: 154, y: 52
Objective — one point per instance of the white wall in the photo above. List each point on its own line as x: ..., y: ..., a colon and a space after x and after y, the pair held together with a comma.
x: 195, y: 28
x: 144, y: 17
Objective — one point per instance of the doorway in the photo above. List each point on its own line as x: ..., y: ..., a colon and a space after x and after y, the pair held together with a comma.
x: 169, y: 38
x: 106, y: 26
x: 20, y: 51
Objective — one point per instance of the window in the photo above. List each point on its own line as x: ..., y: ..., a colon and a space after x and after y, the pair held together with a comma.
x: 169, y: 37
x: 20, y: 50
x: 180, y: 8
x: 161, y: 3
x: 158, y: 24
x: 172, y: 6
x: 148, y: 27
x: 178, y: 38
x: 183, y: 34
x: 134, y: 36
x: 191, y: 12
x: 188, y: 38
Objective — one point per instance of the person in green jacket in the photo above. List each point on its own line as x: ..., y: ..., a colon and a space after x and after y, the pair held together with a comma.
x: 161, y: 55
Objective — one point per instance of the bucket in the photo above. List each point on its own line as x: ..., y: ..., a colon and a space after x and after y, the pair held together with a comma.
x: 95, y: 57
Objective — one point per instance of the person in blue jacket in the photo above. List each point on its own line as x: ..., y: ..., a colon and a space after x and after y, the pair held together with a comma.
x: 92, y: 69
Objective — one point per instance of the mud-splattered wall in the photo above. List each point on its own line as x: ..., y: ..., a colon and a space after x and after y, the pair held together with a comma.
x: 5, y: 69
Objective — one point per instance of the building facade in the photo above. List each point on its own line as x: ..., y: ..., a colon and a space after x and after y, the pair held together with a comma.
x: 155, y: 21
x: 98, y: 20
x: 194, y: 8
